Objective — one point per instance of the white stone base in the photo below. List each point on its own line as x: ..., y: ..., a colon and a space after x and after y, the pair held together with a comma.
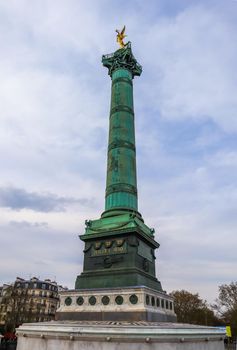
x: 134, y: 300
x: 118, y: 336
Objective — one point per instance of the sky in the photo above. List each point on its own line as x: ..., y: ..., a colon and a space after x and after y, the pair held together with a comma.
x: 54, y: 98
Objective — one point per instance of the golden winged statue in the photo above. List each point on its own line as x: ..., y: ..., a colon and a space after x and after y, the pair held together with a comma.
x: 120, y: 37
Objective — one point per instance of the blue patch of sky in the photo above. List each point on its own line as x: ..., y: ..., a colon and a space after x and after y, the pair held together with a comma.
x: 98, y: 138
x: 66, y: 61
x: 182, y: 137
x: 188, y: 143
x: 224, y: 7
x: 152, y: 9
x: 185, y: 136
x: 170, y: 7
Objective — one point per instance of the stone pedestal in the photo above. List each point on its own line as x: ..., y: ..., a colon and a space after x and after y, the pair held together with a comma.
x: 116, y: 304
x: 119, y: 252
x: 118, y: 335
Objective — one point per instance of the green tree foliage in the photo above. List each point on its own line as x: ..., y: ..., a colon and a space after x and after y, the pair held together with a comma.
x: 226, y: 304
x: 190, y: 308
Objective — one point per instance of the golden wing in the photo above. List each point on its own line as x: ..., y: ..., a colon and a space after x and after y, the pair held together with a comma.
x: 123, y: 30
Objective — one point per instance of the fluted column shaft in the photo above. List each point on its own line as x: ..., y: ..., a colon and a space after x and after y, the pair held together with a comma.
x: 121, y: 184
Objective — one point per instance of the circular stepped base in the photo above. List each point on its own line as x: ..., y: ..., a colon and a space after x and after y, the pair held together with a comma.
x: 58, y: 335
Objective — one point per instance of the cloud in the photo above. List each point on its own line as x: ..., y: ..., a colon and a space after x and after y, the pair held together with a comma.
x: 27, y: 224
x: 193, y: 73
x: 194, y: 213
x: 51, y: 99
x: 35, y: 250
x: 18, y: 198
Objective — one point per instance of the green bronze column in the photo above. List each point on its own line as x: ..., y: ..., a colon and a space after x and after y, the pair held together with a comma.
x: 121, y: 183
x: 119, y: 247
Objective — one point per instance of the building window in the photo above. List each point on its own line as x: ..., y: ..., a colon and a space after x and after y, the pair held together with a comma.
x: 43, y: 286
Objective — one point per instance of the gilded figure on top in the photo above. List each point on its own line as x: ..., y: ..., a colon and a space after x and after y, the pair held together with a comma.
x: 120, y: 37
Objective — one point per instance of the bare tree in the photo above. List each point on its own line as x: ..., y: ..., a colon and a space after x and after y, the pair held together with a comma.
x: 190, y: 308
x: 226, y: 304
x: 16, y: 303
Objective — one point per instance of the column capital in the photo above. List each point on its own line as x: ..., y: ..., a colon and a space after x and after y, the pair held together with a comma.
x: 122, y: 58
